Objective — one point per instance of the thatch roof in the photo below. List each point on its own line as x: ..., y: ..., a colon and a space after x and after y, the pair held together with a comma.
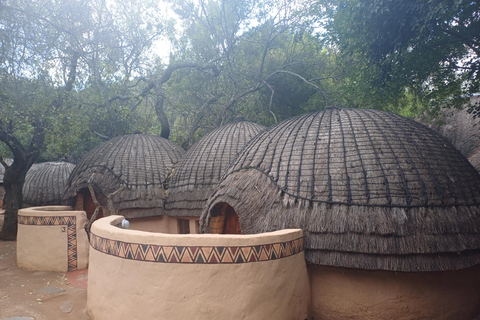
x: 130, y: 170
x: 202, y: 166
x: 46, y: 182
x: 370, y: 189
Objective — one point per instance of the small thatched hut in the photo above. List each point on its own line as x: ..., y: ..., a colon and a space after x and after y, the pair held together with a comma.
x: 390, y: 212
x: 201, y: 168
x: 45, y: 183
x: 127, y: 175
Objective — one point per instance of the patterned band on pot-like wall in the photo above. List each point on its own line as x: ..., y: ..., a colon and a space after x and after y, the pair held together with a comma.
x: 197, y: 254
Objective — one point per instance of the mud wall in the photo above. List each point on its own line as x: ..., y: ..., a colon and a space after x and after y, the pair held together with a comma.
x: 52, y: 238
x: 341, y: 293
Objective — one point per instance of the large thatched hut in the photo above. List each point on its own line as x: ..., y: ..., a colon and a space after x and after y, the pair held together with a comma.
x: 201, y: 169
x: 127, y: 175
x: 46, y: 182
x: 390, y: 212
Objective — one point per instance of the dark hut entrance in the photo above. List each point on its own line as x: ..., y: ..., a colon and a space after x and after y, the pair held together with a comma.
x: 225, y: 220
x: 85, y: 203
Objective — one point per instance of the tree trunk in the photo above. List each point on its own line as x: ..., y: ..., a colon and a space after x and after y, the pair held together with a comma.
x: 165, y: 125
x: 14, y: 176
x: 14, y: 179
x: 157, y: 86
x: 161, y: 115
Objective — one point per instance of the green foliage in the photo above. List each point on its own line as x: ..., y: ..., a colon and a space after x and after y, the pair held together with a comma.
x: 430, y: 47
x: 85, y: 70
x: 270, y: 65
x: 73, y: 67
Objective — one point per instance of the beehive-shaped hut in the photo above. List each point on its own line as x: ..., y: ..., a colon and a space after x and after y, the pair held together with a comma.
x: 202, y: 166
x: 390, y: 212
x: 46, y: 182
x: 127, y: 175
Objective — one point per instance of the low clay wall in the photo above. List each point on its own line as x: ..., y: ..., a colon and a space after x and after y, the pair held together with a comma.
x: 141, y: 275
x: 52, y: 239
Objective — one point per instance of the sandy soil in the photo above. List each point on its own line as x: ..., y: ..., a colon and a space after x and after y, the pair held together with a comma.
x: 39, y: 295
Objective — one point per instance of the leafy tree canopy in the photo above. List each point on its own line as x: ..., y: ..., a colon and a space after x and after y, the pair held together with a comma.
x: 429, y: 48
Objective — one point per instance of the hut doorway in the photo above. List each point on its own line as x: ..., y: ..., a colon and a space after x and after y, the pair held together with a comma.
x: 225, y: 220
x: 85, y: 203
x: 232, y: 224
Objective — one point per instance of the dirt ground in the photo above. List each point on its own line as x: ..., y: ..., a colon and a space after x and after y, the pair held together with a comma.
x: 39, y: 295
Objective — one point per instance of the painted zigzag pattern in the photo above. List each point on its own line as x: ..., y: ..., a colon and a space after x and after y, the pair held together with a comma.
x: 69, y: 221
x: 47, y: 220
x: 197, y: 254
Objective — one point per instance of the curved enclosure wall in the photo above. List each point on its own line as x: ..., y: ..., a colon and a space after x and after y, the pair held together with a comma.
x: 52, y: 239
x: 135, y: 274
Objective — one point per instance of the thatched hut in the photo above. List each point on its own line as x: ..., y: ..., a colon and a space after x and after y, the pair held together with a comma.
x: 390, y: 212
x: 127, y: 175
x: 45, y: 183
x: 201, y: 168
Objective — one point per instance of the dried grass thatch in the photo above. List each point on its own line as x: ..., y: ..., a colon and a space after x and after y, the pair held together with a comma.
x: 46, y: 182
x: 370, y: 189
x: 202, y: 166
x: 130, y: 172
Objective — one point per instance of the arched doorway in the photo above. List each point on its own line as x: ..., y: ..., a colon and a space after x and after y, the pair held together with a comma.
x: 224, y: 220
x: 85, y: 203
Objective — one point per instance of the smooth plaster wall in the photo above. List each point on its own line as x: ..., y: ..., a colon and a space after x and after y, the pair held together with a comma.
x: 126, y: 281
x: 43, y: 239
x: 340, y: 293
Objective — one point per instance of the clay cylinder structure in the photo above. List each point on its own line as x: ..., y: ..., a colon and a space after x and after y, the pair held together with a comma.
x: 52, y: 239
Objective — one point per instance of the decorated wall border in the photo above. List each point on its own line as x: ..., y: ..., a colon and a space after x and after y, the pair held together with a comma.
x: 197, y: 254
x: 69, y: 221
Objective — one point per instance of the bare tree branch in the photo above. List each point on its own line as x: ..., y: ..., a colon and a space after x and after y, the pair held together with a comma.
x: 271, y: 101
x: 324, y: 95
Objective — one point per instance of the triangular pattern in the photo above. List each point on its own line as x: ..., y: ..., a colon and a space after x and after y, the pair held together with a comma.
x: 69, y: 221
x: 72, y: 247
x: 197, y: 254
